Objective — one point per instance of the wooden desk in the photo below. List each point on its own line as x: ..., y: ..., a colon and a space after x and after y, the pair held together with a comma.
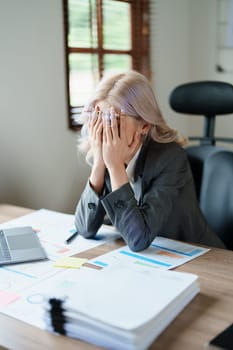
x: 208, y: 314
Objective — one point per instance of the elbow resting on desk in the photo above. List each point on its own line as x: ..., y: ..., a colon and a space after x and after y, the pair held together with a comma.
x: 87, y: 235
x: 137, y: 240
x: 137, y: 244
x: 85, y: 232
x: 138, y: 248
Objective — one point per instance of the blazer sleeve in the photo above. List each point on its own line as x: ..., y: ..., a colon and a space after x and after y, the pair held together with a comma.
x: 140, y: 223
x: 89, y: 214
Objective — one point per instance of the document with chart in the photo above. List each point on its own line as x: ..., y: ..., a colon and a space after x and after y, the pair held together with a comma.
x: 163, y: 253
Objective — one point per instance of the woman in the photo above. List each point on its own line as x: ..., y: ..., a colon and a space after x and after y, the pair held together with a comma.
x: 140, y: 176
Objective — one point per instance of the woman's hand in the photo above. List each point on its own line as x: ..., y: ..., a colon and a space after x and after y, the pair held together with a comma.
x: 118, y: 148
x: 95, y: 126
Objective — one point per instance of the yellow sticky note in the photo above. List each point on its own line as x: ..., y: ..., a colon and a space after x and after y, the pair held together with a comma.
x: 70, y: 262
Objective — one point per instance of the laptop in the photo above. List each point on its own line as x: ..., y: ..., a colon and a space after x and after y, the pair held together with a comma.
x: 20, y: 245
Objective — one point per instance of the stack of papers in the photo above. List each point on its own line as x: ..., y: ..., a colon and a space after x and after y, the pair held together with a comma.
x: 121, y: 307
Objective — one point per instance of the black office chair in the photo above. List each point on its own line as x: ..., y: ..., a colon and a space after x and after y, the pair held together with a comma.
x: 208, y: 99
x: 216, y: 200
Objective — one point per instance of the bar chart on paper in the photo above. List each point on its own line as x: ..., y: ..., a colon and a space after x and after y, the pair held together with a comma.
x: 163, y: 253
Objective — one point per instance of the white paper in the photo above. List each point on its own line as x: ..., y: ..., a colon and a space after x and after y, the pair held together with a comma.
x: 163, y: 253
x: 53, y: 228
x: 125, y: 307
x: 24, y: 287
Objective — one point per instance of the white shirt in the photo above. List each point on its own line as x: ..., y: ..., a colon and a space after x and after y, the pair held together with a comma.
x: 131, y: 167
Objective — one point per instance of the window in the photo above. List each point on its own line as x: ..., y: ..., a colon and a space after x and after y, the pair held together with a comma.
x: 102, y: 37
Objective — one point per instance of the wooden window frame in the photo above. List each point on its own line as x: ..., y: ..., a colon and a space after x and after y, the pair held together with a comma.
x: 140, y: 34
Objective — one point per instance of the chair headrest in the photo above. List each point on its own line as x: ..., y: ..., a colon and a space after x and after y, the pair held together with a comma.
x: 207, y: 98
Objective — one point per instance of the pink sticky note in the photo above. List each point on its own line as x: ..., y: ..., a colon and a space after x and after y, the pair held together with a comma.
x: 6, y: 298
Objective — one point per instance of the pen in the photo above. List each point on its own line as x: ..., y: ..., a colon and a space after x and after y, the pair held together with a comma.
x: 70, y: 239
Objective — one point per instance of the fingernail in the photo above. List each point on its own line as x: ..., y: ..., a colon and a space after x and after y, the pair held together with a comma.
x: 112, y: 115
x: 106, y: 115
x: 94, y: 114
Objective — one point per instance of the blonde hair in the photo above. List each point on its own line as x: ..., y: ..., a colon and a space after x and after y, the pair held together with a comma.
x: 132, y: 93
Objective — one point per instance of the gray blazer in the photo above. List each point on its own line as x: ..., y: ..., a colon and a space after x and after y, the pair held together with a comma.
x: 162, y: 202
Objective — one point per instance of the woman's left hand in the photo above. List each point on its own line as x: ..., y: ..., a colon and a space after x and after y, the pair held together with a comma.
x: 116, y: 150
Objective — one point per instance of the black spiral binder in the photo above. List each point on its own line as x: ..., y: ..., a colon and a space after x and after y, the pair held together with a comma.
x: 58, y: 318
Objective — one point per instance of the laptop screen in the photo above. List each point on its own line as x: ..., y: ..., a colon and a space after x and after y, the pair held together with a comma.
x: 20, y: 244
x: 22, y: 241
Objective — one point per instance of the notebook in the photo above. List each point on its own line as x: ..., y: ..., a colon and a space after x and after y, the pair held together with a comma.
x: 20, y: 244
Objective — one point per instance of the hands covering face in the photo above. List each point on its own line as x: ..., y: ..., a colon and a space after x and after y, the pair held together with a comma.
x: 95, y: 126
x: 114, y: 137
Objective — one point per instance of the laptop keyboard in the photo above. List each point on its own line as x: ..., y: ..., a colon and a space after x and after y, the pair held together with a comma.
x: 4, y: 250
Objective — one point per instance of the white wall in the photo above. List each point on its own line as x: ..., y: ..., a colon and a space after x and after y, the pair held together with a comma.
x: 203, y: 60
x: 202, y: 49
x: 38, y: 162
x: 170, y: 54
x: 184, y: 50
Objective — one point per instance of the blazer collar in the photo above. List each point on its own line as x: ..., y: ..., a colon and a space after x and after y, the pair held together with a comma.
x: 140, y: 163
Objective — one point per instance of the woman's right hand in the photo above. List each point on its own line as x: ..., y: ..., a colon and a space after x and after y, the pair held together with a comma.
x: 95, y: 126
